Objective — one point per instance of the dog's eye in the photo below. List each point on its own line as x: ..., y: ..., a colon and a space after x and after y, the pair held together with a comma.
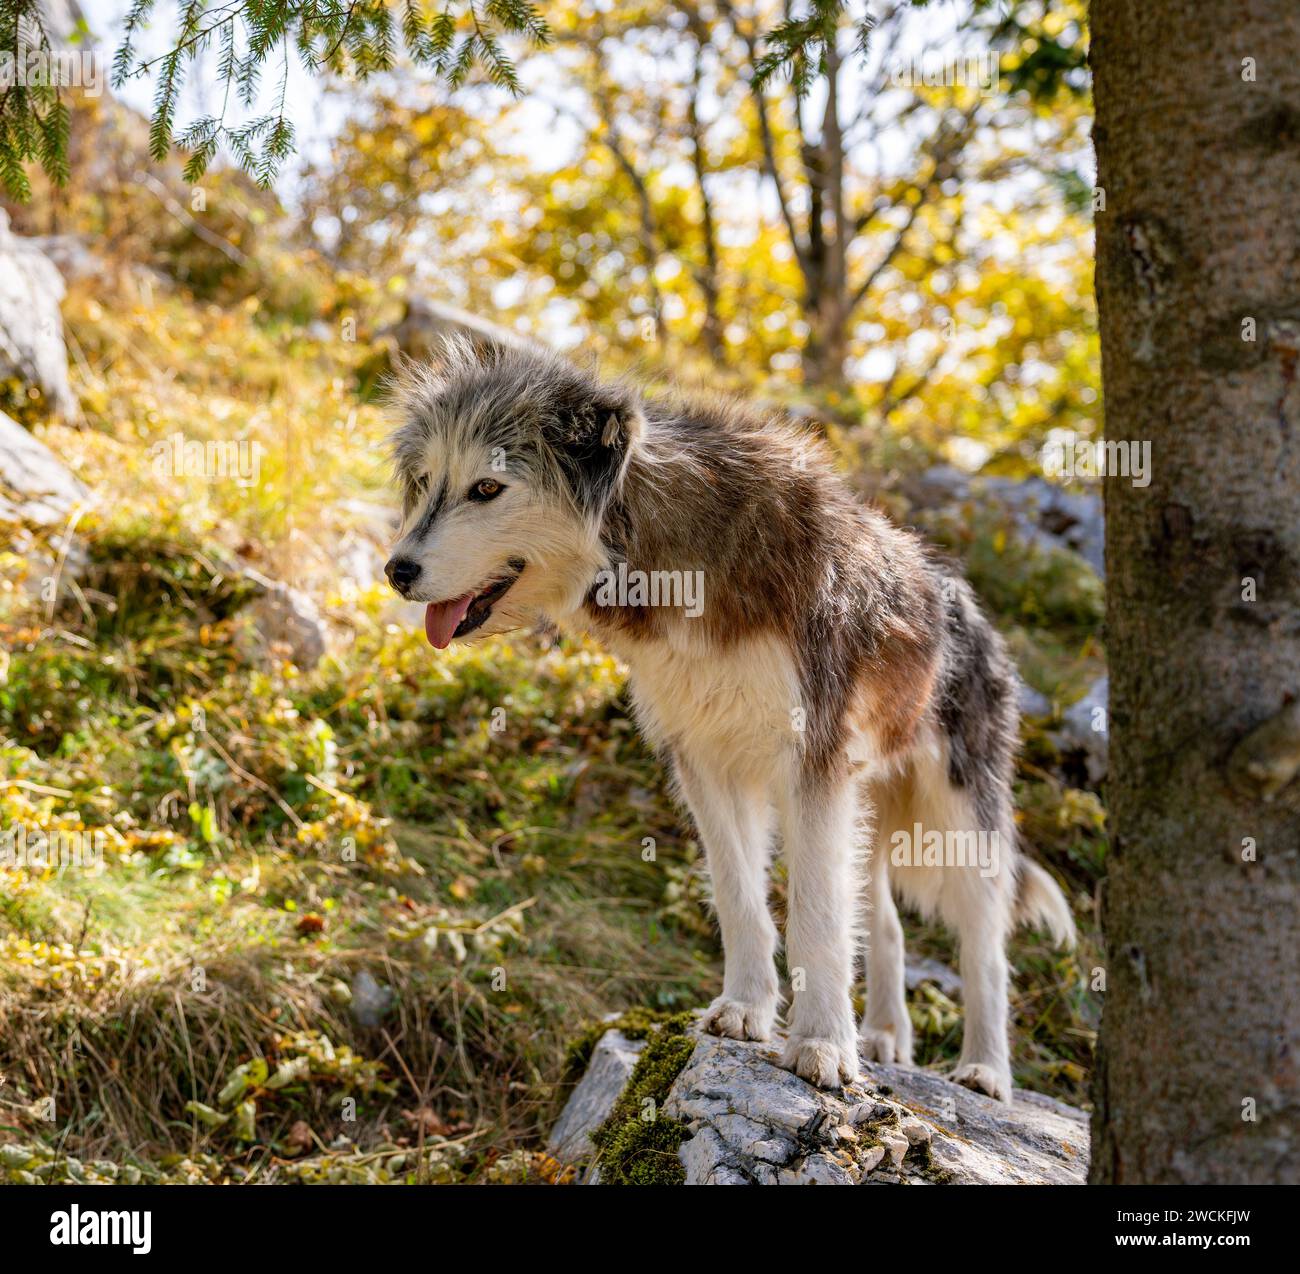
x: 488, y: 489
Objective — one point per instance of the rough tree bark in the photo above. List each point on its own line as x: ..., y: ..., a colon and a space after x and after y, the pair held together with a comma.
x: 1198, y: 285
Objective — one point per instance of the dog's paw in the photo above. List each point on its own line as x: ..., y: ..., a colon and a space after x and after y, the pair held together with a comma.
x: 983, y: 1079
x: 820, y: 1061
x: 739, y: 1020
x: 883, y: 1044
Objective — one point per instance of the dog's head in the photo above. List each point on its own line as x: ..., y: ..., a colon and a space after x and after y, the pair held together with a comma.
x: 507, y: 460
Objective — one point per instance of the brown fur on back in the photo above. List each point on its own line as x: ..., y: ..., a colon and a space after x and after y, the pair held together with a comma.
x: 786, y: 550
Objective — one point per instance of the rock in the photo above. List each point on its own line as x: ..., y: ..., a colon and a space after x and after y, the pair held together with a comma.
x: 591, y: 1101
x: 704, y: 1157
x: 745, y: 1120
x: 288, y: 618
x: 427, y: 323
x: 1035, y: 1140
x: 916, y: 1131
x: 360, y: 562
x: 40, y: 498
x: 1085, y: 727
x: 370, y: 999
x: 70, y: 255
x: 705, y: 1092
x: 369, y: 530
x: 1034, y: 703
x: 870, y: 1159
x: 918, y: 969
x: 36, y: 487
x: 896, y: 1146
x: 813, y: 1170
x: 1045, y: 514
x: 31, y: 327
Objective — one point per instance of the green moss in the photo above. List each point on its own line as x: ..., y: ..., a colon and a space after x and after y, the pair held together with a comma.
x: 635, y: 1023
x: 638, y: 1145
x: 923, y: 1160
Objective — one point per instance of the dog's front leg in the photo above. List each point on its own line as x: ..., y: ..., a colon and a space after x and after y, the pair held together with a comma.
x: 819, y: 827
x: 735, y: 828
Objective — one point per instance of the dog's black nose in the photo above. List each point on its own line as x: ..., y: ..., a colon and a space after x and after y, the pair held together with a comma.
x: 402, y: 573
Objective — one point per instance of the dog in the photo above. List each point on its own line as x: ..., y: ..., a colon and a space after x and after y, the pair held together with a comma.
x: 838, y: 687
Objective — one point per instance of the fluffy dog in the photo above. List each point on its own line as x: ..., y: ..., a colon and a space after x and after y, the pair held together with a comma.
x: 832, y: 683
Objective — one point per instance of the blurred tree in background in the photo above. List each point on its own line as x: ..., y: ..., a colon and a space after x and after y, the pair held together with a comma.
x: 914, y: 253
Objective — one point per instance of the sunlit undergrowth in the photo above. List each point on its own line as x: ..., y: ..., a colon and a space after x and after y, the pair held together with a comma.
x: 343, y: 924
x: 468, y: 834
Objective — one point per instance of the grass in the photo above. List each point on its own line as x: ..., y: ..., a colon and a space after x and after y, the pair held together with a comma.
x: 345, y: 924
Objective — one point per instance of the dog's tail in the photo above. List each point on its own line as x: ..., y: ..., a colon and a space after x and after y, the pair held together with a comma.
x: 1039, y: 901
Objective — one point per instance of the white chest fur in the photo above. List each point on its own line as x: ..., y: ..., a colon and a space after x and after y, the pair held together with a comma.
x: 739, y: 709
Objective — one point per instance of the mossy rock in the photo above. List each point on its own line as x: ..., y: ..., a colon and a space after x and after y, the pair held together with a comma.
x: 637, y: 1143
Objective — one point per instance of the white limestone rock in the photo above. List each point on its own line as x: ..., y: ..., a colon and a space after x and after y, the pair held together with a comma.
x: 747, y: 1121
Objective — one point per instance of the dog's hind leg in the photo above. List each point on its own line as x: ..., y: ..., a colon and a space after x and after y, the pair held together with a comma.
x: 735, y: 826
x: 819, y: 823
x: 886, y: 1030
x: 981, y: 912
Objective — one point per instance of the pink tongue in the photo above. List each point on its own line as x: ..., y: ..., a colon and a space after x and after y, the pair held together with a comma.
x: 441, y: 619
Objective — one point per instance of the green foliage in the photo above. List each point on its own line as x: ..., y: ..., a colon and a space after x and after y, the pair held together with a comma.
x: 149, y: 717
x: 1045, y: 47
x: 361, y: 38
x: 22, y: 401
x: 1052, y: 589
x: 451, y: 37
x: 798, y: 46
x: 1044, y: 40
x: 637, y: 1143
x: 34, y: 120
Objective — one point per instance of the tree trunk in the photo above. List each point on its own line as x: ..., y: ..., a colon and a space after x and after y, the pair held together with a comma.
x: 827, y: 346
x: 707, y: 275
x: 1198, y: 287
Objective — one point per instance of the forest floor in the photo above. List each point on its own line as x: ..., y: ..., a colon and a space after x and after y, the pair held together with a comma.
x: 349, y: 921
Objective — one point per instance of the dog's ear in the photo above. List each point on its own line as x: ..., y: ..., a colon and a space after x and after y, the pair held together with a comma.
x: 598, y: 445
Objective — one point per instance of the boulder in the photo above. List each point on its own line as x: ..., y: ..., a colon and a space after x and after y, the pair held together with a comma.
x: 288, y: 619
x: 746, y: 1121
x: 611, y: 1063
x: 32, y: 350
x: 1045, y: 514
x: 39, y: 499
x: 1033, y: 703
x: 36, y: 487
x: 70, y: 255
x: 1085, y: 727
x: 366, y: 535
x: 918, y: 969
